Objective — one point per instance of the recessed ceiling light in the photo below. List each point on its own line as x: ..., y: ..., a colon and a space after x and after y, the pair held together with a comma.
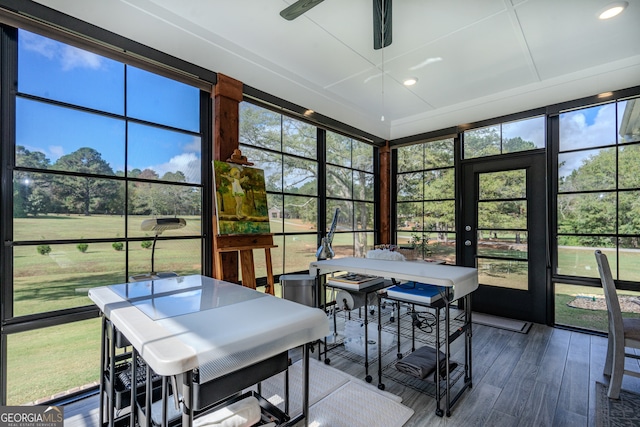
x: 410, y: 81
x: 613, y: 9
x: 604, y: 95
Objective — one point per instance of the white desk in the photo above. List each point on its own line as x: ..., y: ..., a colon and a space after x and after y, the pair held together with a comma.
x: 462, y: 280
x: 181, y: 324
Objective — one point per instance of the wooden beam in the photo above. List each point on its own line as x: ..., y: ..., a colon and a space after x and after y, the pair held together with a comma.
x: 384, y: 233
x: 227, y: 95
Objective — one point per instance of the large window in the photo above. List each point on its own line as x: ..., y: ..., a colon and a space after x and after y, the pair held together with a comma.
x: 599, y: 190
x: 350, y: 192
x: 598, y: 207
x: 504, y: 138
x: 99, y: 147
x: 288, y: 150
x: 425, y: 224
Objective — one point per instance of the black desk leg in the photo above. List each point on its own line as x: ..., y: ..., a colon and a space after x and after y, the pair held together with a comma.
x: 112, y: 373
x: 134, y: 386
x: 187, y: 405
x: 439, y: 411
x: 447, y: 351
x: 366, y: 338
x: 165, y: 402
x: 468, y: 374
x: 305, y: 391
x: 380, y: 385
x: 103, y: 368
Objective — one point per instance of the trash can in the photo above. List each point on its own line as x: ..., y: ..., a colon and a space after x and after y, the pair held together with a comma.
x: 300, y: 288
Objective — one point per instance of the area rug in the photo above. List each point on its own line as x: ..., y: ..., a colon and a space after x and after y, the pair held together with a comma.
x: 616, y: 413
x: 337, y: 399
x: 501, y: 322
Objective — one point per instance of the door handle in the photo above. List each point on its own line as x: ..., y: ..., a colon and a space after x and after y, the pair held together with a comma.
x: 467, y: 242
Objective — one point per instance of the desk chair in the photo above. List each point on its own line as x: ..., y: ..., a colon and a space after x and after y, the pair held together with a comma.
x: 622, y: 332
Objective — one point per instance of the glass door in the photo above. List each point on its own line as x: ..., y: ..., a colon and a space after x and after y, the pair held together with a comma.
x: 504, y: 235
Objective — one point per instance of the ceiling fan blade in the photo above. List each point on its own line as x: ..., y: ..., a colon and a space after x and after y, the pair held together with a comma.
x: 381, y: 23
x: 298, y: 8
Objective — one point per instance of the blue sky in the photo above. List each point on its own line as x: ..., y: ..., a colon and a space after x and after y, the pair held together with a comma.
x: 53, y: 70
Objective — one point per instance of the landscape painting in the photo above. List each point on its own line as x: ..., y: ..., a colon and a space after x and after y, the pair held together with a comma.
x: 241, y: 199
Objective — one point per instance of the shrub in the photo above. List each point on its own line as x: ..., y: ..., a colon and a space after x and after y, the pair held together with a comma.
x: 44, y: 249
x: 118, y: 246
x: 146, y: 244
x: 82, y: 247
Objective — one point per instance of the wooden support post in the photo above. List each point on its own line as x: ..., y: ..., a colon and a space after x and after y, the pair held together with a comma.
x: 227, y: 95
x: 384, y: 236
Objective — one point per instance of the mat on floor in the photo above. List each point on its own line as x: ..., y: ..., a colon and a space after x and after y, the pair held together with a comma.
x: 501, y: 322
x: 621, y: 412
x: 337, y: 399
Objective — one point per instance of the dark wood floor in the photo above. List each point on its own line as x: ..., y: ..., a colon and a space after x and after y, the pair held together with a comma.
x: 544, y: 378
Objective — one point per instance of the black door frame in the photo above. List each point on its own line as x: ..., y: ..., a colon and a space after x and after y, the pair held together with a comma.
x: 530, y: 305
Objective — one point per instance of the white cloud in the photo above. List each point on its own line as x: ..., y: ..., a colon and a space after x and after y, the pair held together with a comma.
x: 38, y: 44
x: 578, y: 131
x: 56, y: 151
x: 529, y: 130
x: 69, y: 57
x: 195, y: 146
x: 187, y: 163
x: 72, y: 57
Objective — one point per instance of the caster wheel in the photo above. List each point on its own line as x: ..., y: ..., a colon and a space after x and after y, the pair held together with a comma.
x: 372, y: 312
x: 381, y: 386
x: 439, y: 412
x: 399, y: 355
x: 368, y: 378
x: 327, y: 361
x: 448, y: 413
x: 392, y: 319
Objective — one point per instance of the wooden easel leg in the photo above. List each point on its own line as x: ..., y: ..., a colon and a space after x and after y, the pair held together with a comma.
x: 217, y: 268
x: 270, y: 282
x: 248, y: 269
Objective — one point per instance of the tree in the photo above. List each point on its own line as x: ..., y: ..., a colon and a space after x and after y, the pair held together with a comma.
x: 173, y: 199
x: 31, y: 191
x: 594, y: 209
x: 482, y: 142
x: 84, y: 194
x: 142, y: 195
x: 426, y: 191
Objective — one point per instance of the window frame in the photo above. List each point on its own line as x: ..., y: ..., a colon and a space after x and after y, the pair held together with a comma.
x: 422, y: 171
x: 9, y: 62
x: 322, y: 199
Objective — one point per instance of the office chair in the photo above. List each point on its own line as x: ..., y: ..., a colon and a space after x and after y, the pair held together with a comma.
x: 623, y: 332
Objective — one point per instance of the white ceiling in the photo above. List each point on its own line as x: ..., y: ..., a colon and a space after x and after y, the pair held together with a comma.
x: 474, y: 59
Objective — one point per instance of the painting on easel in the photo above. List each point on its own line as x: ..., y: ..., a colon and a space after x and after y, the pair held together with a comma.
x: 241, y: 199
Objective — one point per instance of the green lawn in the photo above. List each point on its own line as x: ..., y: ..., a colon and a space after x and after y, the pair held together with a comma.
x: 49, y: 361
x: 46, y: 362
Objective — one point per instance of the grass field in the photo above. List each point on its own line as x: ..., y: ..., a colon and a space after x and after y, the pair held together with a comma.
x: 53, y: 360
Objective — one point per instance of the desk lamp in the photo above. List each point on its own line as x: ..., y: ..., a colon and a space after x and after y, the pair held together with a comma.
x: 325, y: 251
x: 158, y: 226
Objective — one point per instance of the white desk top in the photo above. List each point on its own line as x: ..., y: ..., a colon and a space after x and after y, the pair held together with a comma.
x: 463, y: 279
x: 182, y: 323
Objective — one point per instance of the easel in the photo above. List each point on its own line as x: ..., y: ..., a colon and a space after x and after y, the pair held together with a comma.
x: 244, y: 244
